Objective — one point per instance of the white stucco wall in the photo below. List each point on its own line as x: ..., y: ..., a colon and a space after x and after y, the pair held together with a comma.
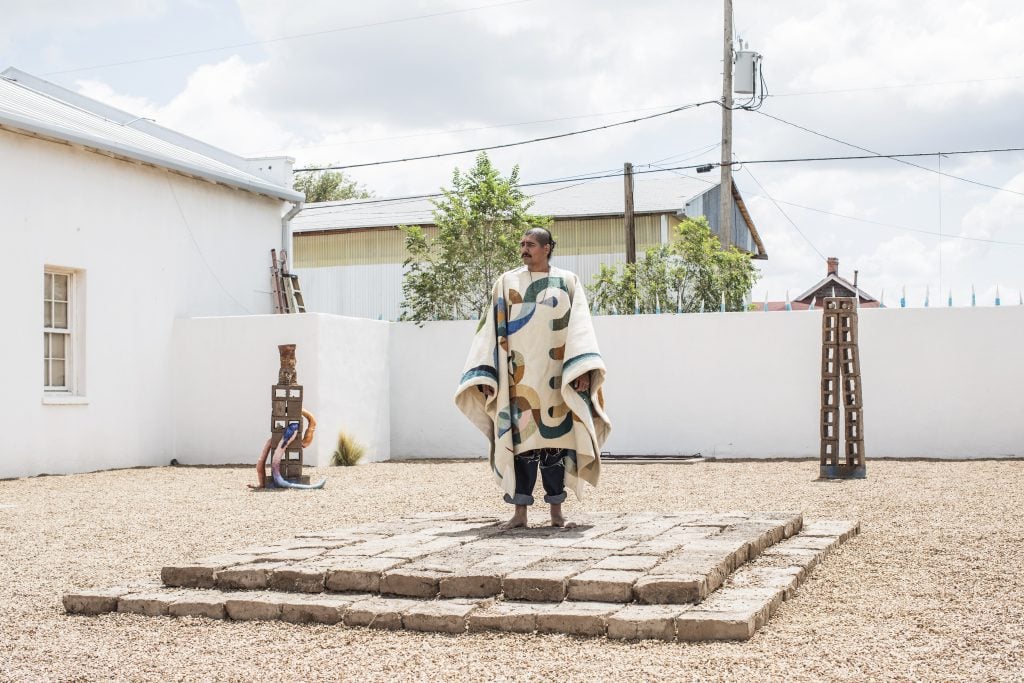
x: 144, y: 265
x: 938, y: 383
x: 224, y: 369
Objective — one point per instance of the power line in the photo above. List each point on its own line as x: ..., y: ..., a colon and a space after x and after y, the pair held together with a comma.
x: 786, y: 215
x: 900, y: 227
x: 876, y: 156
x: 507, y: 144
x: 537, y: 183
x: 618, y: 174
x: 450, y: 131
x: 862, y: 220
x: 311, y: 34
x: 900, y: 161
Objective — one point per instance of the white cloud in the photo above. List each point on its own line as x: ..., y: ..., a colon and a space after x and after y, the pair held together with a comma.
x: 213, y: 107
x: 384, y: 92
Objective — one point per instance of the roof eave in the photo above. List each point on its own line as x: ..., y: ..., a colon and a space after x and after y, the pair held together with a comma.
x: 761, y: 254
x: 840, y: 280
x: 18, y: 123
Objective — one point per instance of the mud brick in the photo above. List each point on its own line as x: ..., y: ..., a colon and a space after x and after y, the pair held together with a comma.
x: 576, y: 618
x: 636, y: 622
x: 511, y: 617
x: 634, y: 563
x: 256, y: 606
x: 470, y: 583
x: 154, y: 604
x: 537, y: 585
x: 414, y: 552
x: 358, y: 573
x: 293, y: 554
x: 722, y: 554
x: 602, y: 543
x: 442, y: 616
x: 603, y: 585
x: 315, y: 609
x: 411, y: 582
x: 671, y: 588
x: 843, y: 530
x: 251, y: 576
x: 201, y: 603
x: 784, y: 579
x: 797, y: 557
x: 791, y: 522
x: 824, y: 544
x: 97, y: 600
x: 299, y: 578
x: 376, y: 612
x: 731, y: 614
x: 484, y: 578
x: 195, y: 575
x: 741, y: 624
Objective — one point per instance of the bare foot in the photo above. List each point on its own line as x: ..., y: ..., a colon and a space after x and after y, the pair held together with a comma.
x: 518, y: 519
x: 557, y: 519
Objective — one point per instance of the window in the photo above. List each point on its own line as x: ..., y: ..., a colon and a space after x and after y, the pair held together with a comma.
x: 58, y: 331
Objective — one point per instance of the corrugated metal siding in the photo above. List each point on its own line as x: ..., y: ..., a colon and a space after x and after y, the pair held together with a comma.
x: 711, y: 208
x: 366, y: 291
x: 359, y: 272
x: 387, y: 245
x: 351, y: 247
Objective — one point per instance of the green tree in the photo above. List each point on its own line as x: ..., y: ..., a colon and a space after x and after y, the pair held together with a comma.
x: 689, y: 274
x: 479, y: 220
x: 321, y: 185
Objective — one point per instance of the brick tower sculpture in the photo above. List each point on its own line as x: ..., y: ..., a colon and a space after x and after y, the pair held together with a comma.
x: 841, y: 392
x: 286, y: 408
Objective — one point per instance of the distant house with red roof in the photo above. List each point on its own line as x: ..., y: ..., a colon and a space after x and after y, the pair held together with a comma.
x: 832, y: 285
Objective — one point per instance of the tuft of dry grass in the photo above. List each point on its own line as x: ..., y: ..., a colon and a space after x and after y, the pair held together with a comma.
x: 348, y: 452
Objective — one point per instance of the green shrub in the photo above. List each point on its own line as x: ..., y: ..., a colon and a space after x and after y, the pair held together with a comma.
x: 349, y: 451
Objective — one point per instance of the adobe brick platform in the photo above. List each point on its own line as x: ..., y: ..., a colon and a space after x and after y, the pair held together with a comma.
x: 683, y: 576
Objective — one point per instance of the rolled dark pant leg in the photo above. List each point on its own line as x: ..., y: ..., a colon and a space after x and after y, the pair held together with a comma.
x: 526, y: 478
x: 552, y: 475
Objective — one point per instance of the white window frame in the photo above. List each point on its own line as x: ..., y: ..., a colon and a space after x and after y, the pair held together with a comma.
x: 72, y: 390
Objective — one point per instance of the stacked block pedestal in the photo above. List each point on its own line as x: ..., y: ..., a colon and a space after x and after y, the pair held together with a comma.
x: 286, y: 409
x: 842, y: 410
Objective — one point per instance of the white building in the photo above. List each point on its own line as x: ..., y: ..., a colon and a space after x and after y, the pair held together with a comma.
x: 114, y: 227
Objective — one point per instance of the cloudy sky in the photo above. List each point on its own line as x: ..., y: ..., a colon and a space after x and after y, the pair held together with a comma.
x: 347, y: 82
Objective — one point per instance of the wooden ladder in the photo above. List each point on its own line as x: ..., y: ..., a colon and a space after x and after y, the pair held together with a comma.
x: 285, y: 286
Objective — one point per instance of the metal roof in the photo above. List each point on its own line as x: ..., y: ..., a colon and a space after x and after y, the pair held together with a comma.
x: 32, y: 105
x: 560, y: 200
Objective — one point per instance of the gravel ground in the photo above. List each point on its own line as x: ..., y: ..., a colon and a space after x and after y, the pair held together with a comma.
x: 932, y: 589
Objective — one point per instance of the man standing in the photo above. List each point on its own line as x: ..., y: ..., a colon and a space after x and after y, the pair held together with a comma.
x: 532, y: 382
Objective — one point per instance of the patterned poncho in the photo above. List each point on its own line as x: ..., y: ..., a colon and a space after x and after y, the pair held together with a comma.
x: 535, y: 339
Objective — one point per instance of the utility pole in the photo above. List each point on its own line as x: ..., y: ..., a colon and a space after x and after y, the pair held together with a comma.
x: 725, y: 188
x: 627, y: 177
